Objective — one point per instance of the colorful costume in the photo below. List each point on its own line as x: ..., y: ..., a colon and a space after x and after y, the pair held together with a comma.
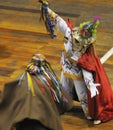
x: 81, y: 72
x: 36, y: 96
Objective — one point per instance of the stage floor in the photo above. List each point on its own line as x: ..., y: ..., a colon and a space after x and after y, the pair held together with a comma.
x: 22, y: 35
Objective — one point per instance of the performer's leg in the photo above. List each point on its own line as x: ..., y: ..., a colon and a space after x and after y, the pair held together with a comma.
x: 81, y: 91
x: 67, y: 84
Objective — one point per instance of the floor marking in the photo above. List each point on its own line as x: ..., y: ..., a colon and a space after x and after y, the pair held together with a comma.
x: 107, y: 55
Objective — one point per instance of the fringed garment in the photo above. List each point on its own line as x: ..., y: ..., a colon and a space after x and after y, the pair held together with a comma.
x: 37, y: 96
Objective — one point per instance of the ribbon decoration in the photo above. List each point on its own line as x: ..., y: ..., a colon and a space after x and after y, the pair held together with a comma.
x: 45, y: 17
x: 30, y: 84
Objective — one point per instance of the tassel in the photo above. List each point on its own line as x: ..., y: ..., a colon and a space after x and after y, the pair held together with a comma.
x: 48, y: 23
x: 21, y: 78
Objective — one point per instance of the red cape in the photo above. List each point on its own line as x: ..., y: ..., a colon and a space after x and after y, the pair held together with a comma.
x: 100, y: 106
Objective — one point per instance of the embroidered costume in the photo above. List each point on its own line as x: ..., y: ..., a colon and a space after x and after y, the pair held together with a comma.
x: 82, y: 70
x: 37, y: 95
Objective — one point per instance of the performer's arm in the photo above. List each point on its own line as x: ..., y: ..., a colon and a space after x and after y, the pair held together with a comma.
x: 55, y: 18
x: 89, y: 80
x: 60, y: 23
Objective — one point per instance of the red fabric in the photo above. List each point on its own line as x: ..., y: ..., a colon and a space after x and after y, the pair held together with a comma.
x: 70, y: 25
x: 100, y: 106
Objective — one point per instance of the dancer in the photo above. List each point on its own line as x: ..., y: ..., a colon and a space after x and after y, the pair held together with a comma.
x: 81, y: 66
x: 35, y: 100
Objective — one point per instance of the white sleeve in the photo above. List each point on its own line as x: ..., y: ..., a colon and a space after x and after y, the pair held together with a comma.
x: 88, y: 78
x: 60, y: 22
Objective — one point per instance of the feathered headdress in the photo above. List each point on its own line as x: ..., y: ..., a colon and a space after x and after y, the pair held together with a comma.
x: 89, y: 29
x: 86, y: 30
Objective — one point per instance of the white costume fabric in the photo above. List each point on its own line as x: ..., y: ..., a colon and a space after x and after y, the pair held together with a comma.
x: 72, y: 76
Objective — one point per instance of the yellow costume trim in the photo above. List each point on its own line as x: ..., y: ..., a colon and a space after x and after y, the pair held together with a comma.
x: 72, y: 75
x: 30, y: 84
x: 69, y: 58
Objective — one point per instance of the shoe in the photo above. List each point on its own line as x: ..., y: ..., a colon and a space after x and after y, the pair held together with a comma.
x: 96, y: 122
x: 89, y: 118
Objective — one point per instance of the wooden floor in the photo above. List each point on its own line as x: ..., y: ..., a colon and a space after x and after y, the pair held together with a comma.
x: 22, y: 35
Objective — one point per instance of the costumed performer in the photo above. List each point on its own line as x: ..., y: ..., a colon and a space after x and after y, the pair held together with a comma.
x: 35, y: 100
x: 81, y: 66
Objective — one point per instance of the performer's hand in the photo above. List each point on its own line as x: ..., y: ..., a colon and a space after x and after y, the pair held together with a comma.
x: 94, y: 90
x: 32, y: 68
x: 44, y: 2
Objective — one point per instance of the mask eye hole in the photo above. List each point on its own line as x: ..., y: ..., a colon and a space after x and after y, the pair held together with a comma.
x: 76, y: 41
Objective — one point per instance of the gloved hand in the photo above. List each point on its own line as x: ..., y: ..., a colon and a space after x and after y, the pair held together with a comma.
x: 32, y: 68
x: 93, y: 89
